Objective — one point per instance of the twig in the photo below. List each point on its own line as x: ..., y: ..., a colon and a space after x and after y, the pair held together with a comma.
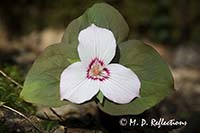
x: 10, y: 79
x: 22, y: 115
x: 54, y: 112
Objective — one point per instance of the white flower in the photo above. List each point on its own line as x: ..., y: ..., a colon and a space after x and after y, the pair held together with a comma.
x: 81, y: 81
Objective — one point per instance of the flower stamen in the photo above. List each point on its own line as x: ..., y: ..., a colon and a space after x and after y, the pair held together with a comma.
x: 97, y: 70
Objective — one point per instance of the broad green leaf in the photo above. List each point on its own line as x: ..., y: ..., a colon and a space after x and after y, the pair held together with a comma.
x: 73, y: 29
x: 42, y: 82
x: 106, y: 16
x: 154, y: 74
x: 103, y: 15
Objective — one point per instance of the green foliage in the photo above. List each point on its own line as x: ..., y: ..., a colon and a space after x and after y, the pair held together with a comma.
x: 156, y: 79
x: 102, y: 15
x: 42, y: 82
x: 9, y: 93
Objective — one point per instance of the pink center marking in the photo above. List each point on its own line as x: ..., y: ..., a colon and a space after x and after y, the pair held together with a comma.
x: 97, y: 70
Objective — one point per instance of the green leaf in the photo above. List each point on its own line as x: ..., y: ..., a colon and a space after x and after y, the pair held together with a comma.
x: 154, y: 74
x: 102, y: 15
x: 100, y: 97
x: 73, y: 29
x: 42, y: 82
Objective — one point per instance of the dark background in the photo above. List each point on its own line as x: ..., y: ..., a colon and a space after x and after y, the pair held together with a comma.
x: 165, y: 21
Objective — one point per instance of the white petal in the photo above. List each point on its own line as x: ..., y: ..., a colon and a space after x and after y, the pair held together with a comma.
x: 122, y: 86
x: 74, y: 86
x: 96, y: 42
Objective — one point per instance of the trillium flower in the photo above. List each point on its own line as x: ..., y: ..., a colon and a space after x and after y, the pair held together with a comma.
x: 82, y: 80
